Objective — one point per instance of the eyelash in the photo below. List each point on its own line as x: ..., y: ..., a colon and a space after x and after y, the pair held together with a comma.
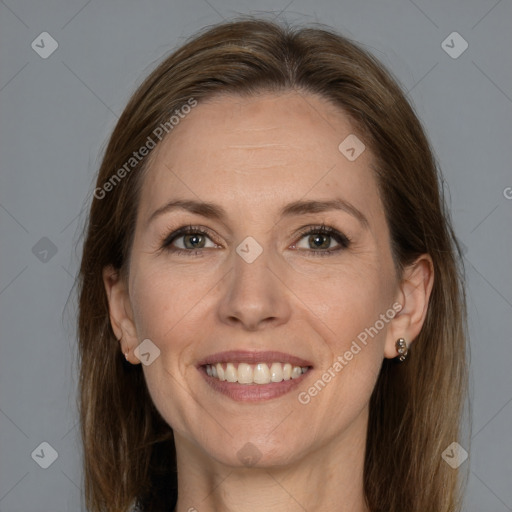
x: 342, y: 239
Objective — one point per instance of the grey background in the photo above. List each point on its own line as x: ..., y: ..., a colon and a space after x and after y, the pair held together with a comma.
x: 57, y: 113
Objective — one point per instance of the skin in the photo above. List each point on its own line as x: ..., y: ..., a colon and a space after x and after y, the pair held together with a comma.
x: 252, y: 157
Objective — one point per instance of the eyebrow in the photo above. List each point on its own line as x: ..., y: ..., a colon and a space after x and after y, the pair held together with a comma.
x: 301, y: 207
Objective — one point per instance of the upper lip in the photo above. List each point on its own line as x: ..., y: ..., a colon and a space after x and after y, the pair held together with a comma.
x: 249, y: 357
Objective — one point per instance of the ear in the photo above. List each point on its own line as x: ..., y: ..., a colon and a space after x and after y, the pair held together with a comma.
x: 413, y: 296
x: 120, y: 311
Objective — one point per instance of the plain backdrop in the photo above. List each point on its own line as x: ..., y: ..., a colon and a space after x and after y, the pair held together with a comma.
x: 57, y: 111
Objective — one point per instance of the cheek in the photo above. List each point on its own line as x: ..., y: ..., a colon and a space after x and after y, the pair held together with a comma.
x: 162, y: 298
x: 347, y: 298
x: 357, y: 314
x: 355, y: 311
x: 355, y: 341
x: 167, y: 310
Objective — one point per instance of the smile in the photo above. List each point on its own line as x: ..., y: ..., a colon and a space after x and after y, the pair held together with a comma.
x: 246, y: 376
x: 260, y: 373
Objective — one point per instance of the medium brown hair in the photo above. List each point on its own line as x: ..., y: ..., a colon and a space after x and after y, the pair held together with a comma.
x: 417, y: 406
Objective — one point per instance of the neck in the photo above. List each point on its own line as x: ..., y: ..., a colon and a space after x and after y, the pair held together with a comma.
x: 328, y: 478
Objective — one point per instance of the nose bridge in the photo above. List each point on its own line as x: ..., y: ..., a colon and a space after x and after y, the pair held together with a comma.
x: 253, y: 295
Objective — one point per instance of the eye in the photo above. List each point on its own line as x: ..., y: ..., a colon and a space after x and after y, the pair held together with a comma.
x: 319, y: 241
x: 188, y: 239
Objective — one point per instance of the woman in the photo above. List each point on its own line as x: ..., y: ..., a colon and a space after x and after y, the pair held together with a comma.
x: 271, y: 312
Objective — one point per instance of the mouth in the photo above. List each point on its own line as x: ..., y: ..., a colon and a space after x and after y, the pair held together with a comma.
x: 253, y: 376
x: 260, y: 373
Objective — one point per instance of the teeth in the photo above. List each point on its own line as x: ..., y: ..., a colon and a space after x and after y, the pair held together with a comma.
x: 260, y: 373
x: 276, y: 372
x: 245, y: 374
x: 231, y: 373
x: 220, y: 371
x: 296, y: 372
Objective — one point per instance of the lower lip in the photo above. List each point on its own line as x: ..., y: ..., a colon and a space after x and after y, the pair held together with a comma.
x: 252, y: 392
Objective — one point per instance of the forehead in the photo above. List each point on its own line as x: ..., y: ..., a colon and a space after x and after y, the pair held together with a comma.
x: 259, y: 153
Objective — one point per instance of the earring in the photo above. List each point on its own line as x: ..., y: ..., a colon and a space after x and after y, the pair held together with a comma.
x: 401, y: 348
x: 126, y: 355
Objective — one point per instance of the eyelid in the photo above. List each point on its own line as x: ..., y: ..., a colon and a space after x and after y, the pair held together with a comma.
x: 187, y: 230
x: 343, y: 240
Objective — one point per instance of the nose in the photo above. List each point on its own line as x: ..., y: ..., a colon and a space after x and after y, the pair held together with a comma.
x: 254, y: 294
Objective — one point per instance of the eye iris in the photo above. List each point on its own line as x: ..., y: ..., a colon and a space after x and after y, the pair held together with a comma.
x: 193, y: 239
x: 320, y: 240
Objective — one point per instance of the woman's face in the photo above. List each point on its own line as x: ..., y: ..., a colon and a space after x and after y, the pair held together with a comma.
x: 248, y: 284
